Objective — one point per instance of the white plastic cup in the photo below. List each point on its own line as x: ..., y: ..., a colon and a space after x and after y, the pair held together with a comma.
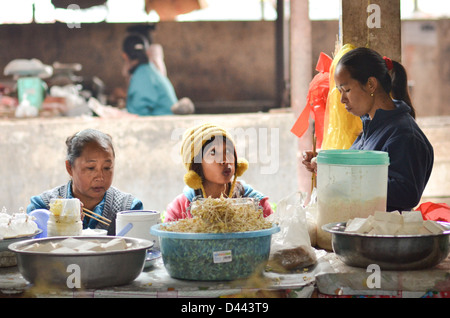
x: 142, y: 221
x: 94, y: 232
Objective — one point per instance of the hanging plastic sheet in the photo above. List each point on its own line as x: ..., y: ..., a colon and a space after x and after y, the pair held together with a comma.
x: 316, y: 101
x: 435, y: 211
x: 340, y: 127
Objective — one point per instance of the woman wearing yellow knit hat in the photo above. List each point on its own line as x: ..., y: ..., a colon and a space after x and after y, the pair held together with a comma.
x: 209, y: 155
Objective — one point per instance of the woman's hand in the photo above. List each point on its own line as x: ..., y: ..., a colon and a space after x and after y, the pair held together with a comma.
x: 309, y: 161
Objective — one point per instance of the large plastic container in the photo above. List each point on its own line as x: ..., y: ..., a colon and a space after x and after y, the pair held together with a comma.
x: 64, y: 218
x: 350, y: 183
x: 141, y: 222
x: 214, y: 256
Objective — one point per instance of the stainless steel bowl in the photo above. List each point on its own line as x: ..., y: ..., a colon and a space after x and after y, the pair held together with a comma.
x: 95, y: 269
x: 4, y: 243
x: 8, y: 258
x: 390, y: 252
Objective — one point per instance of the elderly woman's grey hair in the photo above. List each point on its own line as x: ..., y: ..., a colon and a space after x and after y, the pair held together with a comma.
x: 76, y: 143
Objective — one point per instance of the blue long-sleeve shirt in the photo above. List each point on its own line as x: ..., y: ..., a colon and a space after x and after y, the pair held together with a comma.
x: 411, y: 155
x: 150, y: 93
x: 37, y: 202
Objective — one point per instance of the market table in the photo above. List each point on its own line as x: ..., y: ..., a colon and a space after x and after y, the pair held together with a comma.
x: 155, y: 282
x: 336, y: 279
x: 330, y: 277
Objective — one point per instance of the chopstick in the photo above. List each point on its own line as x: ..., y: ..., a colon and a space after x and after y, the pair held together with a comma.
x: 96, y: 216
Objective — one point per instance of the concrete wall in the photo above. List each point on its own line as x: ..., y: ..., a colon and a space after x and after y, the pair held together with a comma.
x: 206, y: 61
x: 437, y: 129
x: 32, y: 154
x: 426, y: 56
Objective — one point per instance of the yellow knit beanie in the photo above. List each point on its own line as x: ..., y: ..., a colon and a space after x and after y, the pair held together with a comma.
x: 192, y: 144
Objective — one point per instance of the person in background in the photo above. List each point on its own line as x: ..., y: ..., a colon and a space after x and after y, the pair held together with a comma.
x: 375, y: 88
x: 90, y: 164
x: 155, y: 51
x: 209, y: 155
x: 149, y: 93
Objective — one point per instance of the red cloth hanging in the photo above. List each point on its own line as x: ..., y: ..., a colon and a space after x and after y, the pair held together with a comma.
x: 316, y: 101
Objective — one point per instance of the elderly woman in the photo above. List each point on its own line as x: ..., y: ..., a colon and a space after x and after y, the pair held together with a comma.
x: 90, y: 164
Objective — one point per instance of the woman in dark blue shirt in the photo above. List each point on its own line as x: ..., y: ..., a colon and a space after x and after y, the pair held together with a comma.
x: 375, y: 88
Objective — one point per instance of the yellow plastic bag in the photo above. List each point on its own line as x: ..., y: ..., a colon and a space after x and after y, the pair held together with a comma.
x: 340, y: 127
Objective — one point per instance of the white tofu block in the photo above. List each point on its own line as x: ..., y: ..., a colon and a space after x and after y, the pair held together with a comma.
x: 348, y: 223
x: 367, y: 226
x: 412, y: 228
x: 46, y: 247
x: 433, y: 227
x: 381, y: 216
x: 359, y: 225
x: 386, y: 228
x: 423, y: 230
x: 32, y: 248
x: 71, y: 242
x: 90, y: 247
x: 354, y: 224
x: 412, y: 216
x: 63, y: 249
x: 396, y: 217
x: 117, y: 244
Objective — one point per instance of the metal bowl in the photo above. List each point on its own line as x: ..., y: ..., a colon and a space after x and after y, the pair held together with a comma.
x: 94, y: 269
x: 6, y: 242
x: 8, y: 258
x: 390, y: 252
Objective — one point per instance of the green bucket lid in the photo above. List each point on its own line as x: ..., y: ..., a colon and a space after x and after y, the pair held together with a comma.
x: 352, y: 157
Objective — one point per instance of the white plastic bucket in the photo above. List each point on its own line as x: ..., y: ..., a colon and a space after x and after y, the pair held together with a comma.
x: 350, y: 184
x: 142, y: 221
x: 64, y: 218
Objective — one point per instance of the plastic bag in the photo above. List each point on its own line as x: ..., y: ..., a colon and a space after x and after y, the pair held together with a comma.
x: 291, y: 248
x: 316, y: 101
x: 435, y: 211
x: 340, y: 127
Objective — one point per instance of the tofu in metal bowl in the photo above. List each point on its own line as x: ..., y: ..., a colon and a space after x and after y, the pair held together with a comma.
x: 390, y: 252
x: 89, y: 267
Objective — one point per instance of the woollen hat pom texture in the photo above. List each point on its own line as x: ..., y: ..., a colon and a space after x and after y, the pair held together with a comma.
x: 192, y: 144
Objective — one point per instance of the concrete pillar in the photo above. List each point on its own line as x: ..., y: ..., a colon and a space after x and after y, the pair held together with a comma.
x: 301, y: 75
x: 375, y: 24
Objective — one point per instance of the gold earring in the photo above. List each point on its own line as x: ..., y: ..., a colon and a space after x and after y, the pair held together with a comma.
x: 371, y: 94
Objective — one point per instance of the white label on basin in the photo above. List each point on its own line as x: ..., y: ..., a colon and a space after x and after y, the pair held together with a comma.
x: 222, y: 256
